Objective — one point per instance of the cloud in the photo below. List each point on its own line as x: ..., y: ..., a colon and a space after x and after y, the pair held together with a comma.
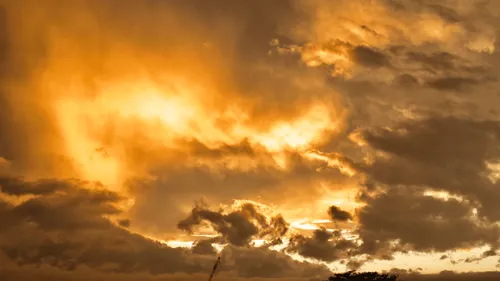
x: 388, y: 61
x: 447, y: 23
x: 420, y: 159
x: 417, y: 148
x: 438, y: 69
x: 450, y: 275
x: 259, y: 262
x: 338, y: 214
x: 17, y: 186
x: 223, y: 180
x: 239, y: 226
x: 126, y: 109
x: 354, y: 264
x: 204, y: 247
x: 322, y: 246
x: 165, y: 103
x: 68, y: 229
x: 124, y: 223
x: 28, y: 273
x: 369, y: 57
x: 452, y: 83
x: 404, y: 215
x: 70, y: 232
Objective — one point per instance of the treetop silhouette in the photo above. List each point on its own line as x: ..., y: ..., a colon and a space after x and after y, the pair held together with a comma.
x: 363, y: 276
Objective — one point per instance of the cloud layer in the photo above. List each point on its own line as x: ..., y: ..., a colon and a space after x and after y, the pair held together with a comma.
x: 311, y: 136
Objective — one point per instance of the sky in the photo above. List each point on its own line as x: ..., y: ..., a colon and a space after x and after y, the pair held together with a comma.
x: 140, y: 140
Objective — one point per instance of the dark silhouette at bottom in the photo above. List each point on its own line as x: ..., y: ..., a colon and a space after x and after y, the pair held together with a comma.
x: 363, y: 276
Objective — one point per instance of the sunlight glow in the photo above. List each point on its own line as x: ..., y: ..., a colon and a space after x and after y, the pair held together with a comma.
x: 168, y: 114
x: 443, y: 195
x: 299, y: 134
x: 494, y: 171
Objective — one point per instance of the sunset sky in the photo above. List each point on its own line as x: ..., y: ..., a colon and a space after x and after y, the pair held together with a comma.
x: 142, y: 139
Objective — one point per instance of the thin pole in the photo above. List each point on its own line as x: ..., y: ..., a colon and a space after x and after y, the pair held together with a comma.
x: 214, y: 269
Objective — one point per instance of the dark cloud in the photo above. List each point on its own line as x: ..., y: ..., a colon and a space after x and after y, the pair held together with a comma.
x: 322, y: 246
x: 452, y: 83
x: 354, y: 264
x: 441, y: 154
x: 453, y: 276
x: 370, y: 57
x: 237, y: 264
x: 446, y: 13
x: 338, y: 214
x: 124, y: 223
x: 17, y: 186
x: 11, y: 272
x: 433, y: 61
x: 439, y: 70
x: 237, y: 227
x: 66, y: 231
x: 446, y: 10
x: 477, y: 259
x: 489, y: 253
x: 408, y: 216
x: 204, y: 247
x: 277, y: 228
x: 259, y: 262
x: 201, y: 150
x: 406, y: 80
x: 445, y: 71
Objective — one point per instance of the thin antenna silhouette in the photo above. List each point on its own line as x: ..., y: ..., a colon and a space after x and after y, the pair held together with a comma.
x: 214, y: 269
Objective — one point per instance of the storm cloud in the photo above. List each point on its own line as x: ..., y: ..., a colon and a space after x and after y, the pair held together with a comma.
x: 310, y: 135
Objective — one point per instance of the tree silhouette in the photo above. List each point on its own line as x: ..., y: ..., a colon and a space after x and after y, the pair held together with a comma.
x: 363, y: 276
